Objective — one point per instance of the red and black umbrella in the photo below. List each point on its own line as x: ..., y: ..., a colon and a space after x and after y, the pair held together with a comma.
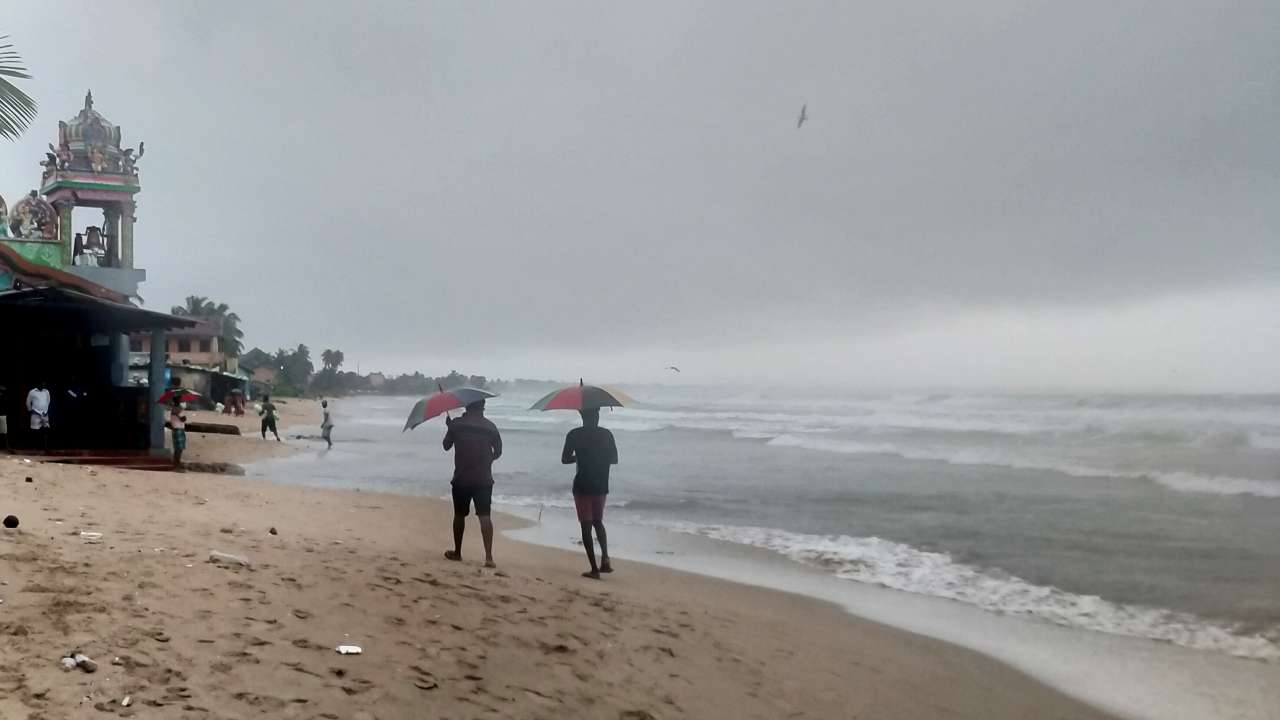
x: 583, y: 397
x: 442, y: 402
x: 183, y: 395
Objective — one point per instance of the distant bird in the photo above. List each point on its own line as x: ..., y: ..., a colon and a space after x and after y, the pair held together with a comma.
x: 803, y: 116
x: 673, y: 367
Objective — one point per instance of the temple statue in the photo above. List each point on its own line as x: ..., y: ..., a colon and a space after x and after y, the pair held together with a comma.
x: 33, y: 218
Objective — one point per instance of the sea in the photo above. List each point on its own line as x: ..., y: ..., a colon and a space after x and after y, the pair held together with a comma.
x: 1122, y: 548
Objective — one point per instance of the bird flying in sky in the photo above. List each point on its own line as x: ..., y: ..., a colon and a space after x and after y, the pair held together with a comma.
x: 673, y: 367
x: 803, y: 116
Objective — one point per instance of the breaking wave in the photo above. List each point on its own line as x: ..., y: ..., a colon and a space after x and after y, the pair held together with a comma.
x: 901, y: 567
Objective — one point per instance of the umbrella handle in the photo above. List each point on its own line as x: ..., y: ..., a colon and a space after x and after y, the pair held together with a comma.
x: 447, y: 416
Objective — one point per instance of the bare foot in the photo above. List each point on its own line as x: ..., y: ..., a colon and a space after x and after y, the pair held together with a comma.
x: 453, y: 555
x: 605, y: 567
x: 490, y: 563
x: 593, y: 574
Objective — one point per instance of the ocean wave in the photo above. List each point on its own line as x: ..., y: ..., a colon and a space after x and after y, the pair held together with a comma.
x: 901, y: 567
x: 1217, y: 485
x: 1178, y: 481
x: 1215, y: 424
x: 551, y: 501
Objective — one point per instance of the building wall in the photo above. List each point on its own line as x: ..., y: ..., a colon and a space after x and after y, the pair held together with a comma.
x: 265, y: 375
x: 45, y: 253
x: 191, y: 379
x: 194, y: 354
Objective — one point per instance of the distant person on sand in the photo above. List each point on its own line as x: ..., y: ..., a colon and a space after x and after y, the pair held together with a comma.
x: 178, y: 425
x: 268, y: 413
x: 38, y: 400
x: 326, y: 424
x: 476, y: 443
x: 593, y: 449
x: 4, y: 418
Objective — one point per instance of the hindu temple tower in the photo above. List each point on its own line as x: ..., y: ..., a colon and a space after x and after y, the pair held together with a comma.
x: 86, y: 167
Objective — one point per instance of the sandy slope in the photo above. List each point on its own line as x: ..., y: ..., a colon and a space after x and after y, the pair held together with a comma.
x: 440, y: 639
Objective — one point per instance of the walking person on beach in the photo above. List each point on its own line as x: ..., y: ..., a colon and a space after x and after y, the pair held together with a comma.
x: 476, y: 443
x: 178, y: 426
x: 268, y: 413
x: 38, y: 400
x: 326, y: 424
x: 592, y: 448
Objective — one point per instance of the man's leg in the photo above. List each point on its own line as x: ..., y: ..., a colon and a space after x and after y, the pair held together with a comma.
x: 597, y: 522
x: 486, y: 532
x: 459, y: 529
x: 264, y: 428
x: 461, y: 507
x: 605, y: 567
x: 590, y: 547
x: 484, y: 501
x: 583, y: 505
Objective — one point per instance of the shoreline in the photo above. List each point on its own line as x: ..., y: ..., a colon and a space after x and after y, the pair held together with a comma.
x: 351, y: 566
x: 1129, y: 677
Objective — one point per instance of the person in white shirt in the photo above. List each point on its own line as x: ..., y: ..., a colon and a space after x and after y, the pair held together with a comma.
x: 38, y: 400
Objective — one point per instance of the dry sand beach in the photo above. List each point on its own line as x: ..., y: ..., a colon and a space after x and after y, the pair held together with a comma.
x: 182, y: 637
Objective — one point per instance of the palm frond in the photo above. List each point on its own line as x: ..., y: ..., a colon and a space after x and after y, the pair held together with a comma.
x: 17, y: 109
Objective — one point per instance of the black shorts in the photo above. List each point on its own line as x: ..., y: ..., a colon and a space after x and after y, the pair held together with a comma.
x: 482, y: 496
x: 268, y: 424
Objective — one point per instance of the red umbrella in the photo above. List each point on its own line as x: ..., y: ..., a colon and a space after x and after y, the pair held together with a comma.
x: 442, y: 402
x: 583, y: 397
x: 184, y: 395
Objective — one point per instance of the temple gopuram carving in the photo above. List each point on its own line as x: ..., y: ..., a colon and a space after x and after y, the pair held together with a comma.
x: 87, y: 168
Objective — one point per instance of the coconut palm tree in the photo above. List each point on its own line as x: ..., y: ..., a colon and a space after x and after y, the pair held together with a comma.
x: 198, y: 306
x: 332, y: 359
x: 17, y: 109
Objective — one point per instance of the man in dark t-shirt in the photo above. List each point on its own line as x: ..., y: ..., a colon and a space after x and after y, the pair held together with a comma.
x: 476, y: 443
x: 592, y: 448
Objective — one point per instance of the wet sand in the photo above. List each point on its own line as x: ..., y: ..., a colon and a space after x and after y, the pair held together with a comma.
x: 441, y: 639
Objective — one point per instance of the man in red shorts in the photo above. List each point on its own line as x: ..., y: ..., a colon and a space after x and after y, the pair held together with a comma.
x: 476, y: 444
x: 594, y: 451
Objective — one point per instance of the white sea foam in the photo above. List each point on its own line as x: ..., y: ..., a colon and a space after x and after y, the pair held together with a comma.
x: 902, y: 567
x: 551, y: 501
x: 1189, y: 482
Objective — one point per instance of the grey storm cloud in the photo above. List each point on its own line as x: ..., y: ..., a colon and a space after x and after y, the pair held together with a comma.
x: 462, y: 179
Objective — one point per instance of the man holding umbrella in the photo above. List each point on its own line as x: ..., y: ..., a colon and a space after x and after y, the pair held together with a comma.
x: 476, y: 443
x: 592, y: 448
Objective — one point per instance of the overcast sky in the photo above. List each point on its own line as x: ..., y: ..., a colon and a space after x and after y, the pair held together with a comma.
x: 1020, y: 194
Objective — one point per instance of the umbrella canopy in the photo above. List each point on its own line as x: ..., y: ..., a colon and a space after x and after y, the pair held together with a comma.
x: 583, y: 397
x: 184, y: 395
x: 442, y: 402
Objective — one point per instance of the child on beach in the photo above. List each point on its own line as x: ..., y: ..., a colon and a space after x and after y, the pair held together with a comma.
x: 268, y: 413
x: 178, y: 425
x: 326, y: 424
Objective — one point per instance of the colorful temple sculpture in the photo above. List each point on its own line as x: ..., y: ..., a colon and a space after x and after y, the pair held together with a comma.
x: 65, y: 296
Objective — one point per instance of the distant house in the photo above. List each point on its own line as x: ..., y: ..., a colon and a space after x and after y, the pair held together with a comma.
x: 200, y: 345
x: 265, y: 375
x: 377, y: 380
